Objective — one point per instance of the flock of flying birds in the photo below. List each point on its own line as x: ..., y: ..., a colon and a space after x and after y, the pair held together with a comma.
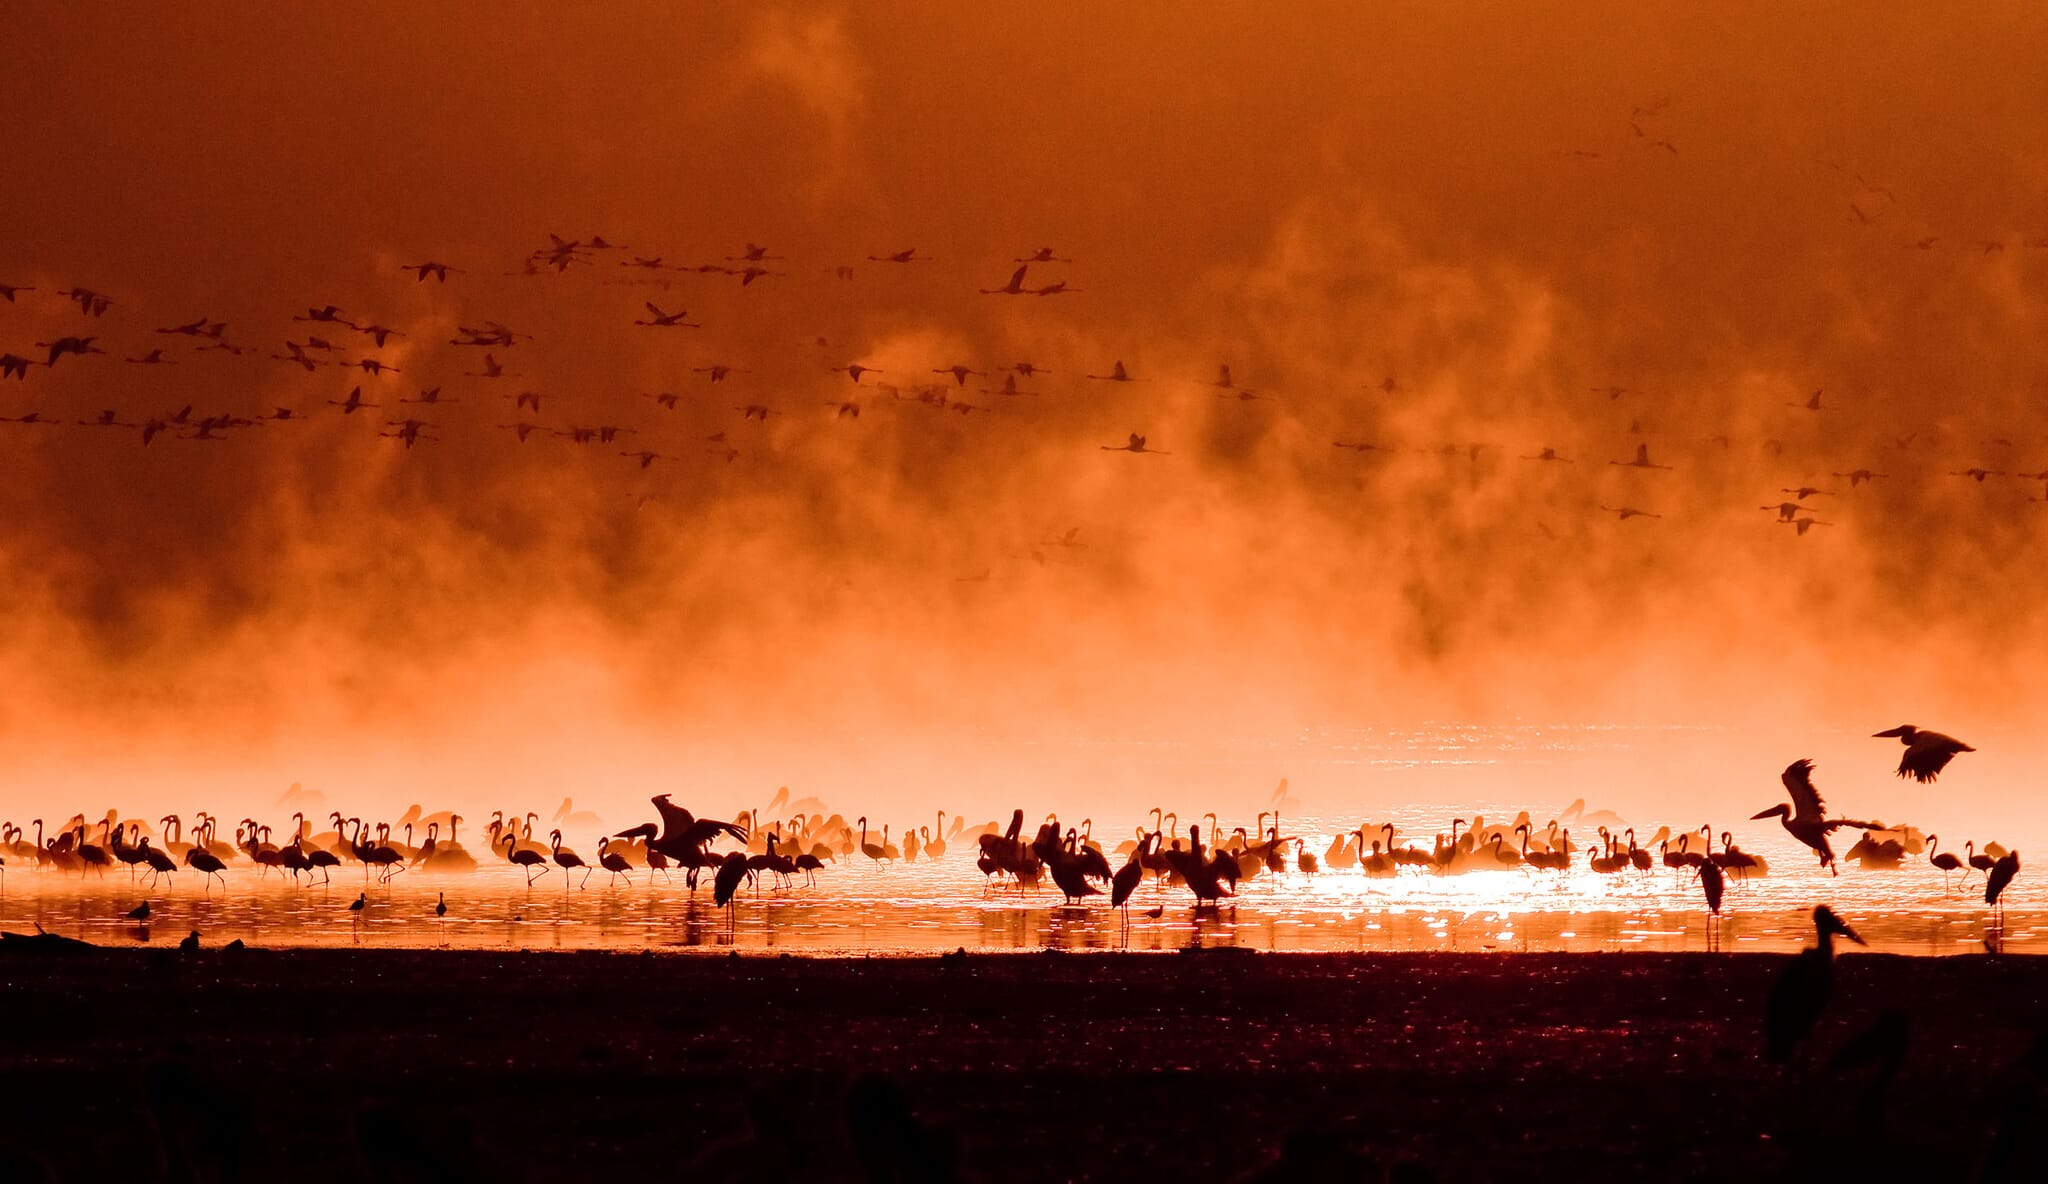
x: 326, y: 338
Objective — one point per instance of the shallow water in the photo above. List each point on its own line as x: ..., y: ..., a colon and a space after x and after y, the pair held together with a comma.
x: 927, y: 906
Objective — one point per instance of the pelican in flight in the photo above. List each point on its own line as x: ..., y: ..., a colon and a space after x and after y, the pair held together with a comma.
x: 1136, y: 444
x: 1642, y: 460
x: 1927, y: 753
x: 1806, y: 818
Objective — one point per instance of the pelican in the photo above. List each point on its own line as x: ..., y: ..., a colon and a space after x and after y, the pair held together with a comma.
x: 1927, y: 753
x: 1806, y: 818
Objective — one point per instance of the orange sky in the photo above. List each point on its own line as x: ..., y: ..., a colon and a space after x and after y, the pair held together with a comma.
x: 1321, y: 196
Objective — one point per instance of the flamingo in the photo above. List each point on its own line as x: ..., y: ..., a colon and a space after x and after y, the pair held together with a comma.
x: 613, y: 862
x: 524, y: 857
x: 1945, y: 860
x: 566, y: 859
x: 873, y: 851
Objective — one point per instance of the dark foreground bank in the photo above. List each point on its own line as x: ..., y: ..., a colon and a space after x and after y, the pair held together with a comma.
x: 317, y: 1065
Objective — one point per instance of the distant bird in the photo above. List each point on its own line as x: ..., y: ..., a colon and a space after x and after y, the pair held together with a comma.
x: 1053, y: 289
x: 352, y: 404
x: 431, y: 396
x: 726, y: 884
x: 1944, y: 860
x: 907, y: 255
x: 1135, y: 444
x: 441, y: 905
x: 438, y: 270
x: 852, y: 371
x: 379, y: 333
x: 613, y: 862
x: 356, y: 906
x: 1641, y: 461
x: 844, y: 409
x: 1801, y: 525
x: 14, y: 366
x: 190, y: 942
x: 2002, y: 872
x: 1803, y: 988
x: 140, y: 912
x: 89, y: 302
x: 329, y: 315
x: 76, y: 346
x: 1713, y: 885
x: 1977, y: 475
x: 1627, y: 512
x: 7, y: 291
x: 154, y: 357
x: 1812, y: 403
x: 1927, y: 753
x: 1014, y: 288
x: 1857, y: 477
x: 1550, y: 454
x: 959, y: 373
x: 491, y: 369
x: 668, y: 320
x: 647, y: 458
x: 1806, y: 491
x: 1041, y: 255
x: 1117, y: 373
x: 719, y: 373
x: 1806, y: 818
x: 526, y: 857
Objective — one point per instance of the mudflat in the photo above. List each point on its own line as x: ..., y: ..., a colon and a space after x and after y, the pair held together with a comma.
x: 339, y: 1064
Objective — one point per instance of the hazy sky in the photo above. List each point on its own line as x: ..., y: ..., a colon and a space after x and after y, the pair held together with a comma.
x: 1501, y: 208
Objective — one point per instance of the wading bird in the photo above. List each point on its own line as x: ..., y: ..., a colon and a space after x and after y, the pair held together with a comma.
x: 1801, y: 993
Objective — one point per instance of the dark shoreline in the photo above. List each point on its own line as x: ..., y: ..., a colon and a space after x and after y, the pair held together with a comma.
x: 575, y: 1065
